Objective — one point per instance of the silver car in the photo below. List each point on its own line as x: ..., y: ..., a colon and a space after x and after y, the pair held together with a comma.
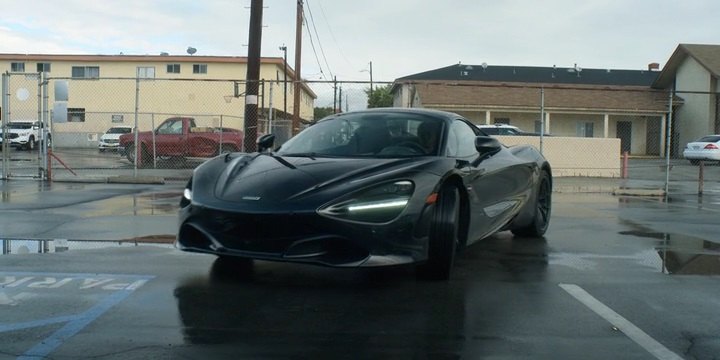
x: 704, y: 148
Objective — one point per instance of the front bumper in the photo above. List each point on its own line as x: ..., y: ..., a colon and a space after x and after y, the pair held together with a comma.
x: 108, y: 145
x: 701, y: 154
x: 301, y: 237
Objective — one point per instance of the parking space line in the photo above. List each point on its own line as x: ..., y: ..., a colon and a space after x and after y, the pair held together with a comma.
x: 633, y: 332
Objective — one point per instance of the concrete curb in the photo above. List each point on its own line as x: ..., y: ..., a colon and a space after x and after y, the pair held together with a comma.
x: 122, y: 179
x: 151, y: 180
x: 639, y: 192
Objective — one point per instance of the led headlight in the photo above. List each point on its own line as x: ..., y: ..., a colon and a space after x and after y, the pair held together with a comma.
x: 378, y: 204
x: 187, y: 195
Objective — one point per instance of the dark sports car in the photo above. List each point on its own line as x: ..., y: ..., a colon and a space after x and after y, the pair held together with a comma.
x: 367, y: 188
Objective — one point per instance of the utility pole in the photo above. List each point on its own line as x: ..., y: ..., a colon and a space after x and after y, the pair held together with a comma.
x: 297, y: 78
x: 335, y: 94
x: 253, y: 76
x: 284, y: 49
x: 371, y: 83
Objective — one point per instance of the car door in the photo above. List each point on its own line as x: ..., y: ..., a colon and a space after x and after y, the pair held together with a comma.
x: 169, y: 138
x: 496, y: 185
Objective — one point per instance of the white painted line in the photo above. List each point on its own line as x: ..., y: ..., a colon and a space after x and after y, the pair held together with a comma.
x: 633, y: 332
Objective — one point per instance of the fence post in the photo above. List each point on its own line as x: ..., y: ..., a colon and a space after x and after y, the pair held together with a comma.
x: 701, y: 177
x: 625, y: 165
x: 5, y: 107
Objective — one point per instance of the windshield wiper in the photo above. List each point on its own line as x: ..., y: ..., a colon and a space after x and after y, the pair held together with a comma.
x: 311, y: 155
x: 279, y: 159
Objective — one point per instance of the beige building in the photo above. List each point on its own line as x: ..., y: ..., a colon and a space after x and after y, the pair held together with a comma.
x: 693, y: 71
x: 108, y: 90
x: 592, y: 103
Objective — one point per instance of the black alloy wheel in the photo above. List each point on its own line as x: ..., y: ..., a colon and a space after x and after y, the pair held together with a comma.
x: 543, y: 206
x: 443, y: 242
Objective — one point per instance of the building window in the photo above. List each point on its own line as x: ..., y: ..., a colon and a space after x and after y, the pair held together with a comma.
x: 584, y: 129
x: 76, y: 114
x: 86, y: 72
x: 199, y: 68
x: 17, y: 67
x: 173, y: 68
x: 502, y: 120
x: 43, y: 67
x: 146, y: 72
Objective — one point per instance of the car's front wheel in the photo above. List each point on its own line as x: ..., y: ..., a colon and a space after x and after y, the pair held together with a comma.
x: 30, y: 146
x: 443, y: 240
x: 131, y: 154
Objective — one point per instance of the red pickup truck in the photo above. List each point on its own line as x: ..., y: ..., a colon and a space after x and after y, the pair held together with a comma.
x: 179, y: 137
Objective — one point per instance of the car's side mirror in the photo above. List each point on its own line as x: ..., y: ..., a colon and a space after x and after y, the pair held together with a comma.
x: 265, y: 142
x: 487, y: 145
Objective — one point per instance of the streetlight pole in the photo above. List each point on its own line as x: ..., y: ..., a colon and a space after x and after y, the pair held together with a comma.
x: 284, y: 49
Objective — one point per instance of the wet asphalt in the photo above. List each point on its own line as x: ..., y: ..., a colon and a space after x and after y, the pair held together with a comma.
x: 630, y: 277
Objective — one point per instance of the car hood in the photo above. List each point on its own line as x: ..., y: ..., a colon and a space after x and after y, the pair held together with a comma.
x: 272, y: 179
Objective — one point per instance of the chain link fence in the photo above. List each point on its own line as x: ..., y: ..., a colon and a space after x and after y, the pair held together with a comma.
x: 615, y: 132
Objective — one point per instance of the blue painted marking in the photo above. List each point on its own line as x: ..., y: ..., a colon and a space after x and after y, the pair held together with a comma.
x: 35, y: 323
x: 74, y: 323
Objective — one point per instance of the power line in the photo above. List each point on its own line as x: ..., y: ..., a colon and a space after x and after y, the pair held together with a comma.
x: 317, y: 36
x: 332, y: 35
x: 312, y: 45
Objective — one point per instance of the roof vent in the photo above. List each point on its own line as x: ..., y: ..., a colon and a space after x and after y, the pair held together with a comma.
x: 653, y: 66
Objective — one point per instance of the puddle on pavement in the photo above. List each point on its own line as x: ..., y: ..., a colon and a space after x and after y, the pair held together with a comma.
x: 26, y: 246
x: 682, y: 254
x: 159, y: 204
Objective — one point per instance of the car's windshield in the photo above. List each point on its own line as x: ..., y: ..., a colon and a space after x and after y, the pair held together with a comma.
x: 711, y: 138
x: 119, y: 130
x: 20, y: 126
x: 368, y: 134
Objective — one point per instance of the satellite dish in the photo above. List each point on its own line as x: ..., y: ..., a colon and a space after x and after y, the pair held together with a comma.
x: 191, y: 50
x: 484, y: 65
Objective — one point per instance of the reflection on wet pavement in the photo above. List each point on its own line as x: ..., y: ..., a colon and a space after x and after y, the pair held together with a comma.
x: 682, y: 254
x: 156, y: 203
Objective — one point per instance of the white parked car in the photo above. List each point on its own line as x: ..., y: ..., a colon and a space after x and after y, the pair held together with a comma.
x: 23, y: 134
x: 110, y: 140
x: 704, y: 148
x: 501, y: 129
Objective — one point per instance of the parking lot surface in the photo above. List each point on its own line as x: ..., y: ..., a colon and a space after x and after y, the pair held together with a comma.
x: 615, y: 277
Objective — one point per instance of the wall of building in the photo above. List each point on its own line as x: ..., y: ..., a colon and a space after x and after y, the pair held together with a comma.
x: 693, y: 118
x: 111, y: 99
x: 573, y: 156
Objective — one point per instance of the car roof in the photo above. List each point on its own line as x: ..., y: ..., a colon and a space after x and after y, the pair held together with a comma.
x: 397, y: 110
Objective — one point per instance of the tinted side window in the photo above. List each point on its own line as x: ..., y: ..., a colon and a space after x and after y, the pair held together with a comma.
x: 461, y: 140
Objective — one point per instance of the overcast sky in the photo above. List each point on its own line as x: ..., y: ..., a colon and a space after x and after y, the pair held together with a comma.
x: 400, y: 37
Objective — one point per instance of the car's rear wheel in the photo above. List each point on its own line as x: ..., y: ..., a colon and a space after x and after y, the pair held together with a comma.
x: 443, y: 241
x: 543, y: 206
x: 694, y: 162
